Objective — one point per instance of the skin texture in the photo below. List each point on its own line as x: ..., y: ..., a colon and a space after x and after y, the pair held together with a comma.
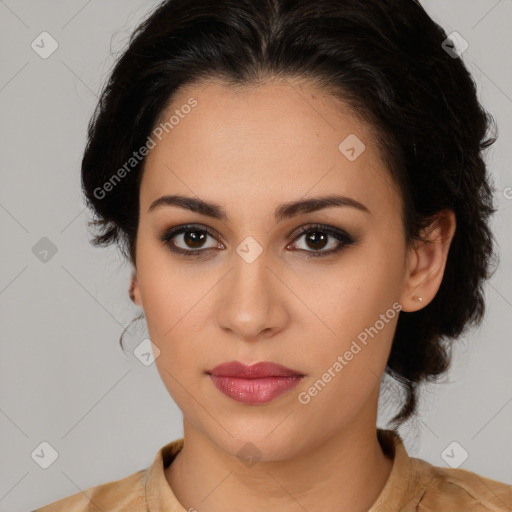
x: 250, y: 149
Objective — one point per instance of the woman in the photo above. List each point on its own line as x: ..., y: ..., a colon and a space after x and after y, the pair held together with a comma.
x: 301, y: 190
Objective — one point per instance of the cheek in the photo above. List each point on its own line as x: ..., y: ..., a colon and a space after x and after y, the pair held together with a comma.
x: 175, y: 303
x: 169, y: 313
x: 347, y: 367
x: 176, y: 321
x: 166, y: 294
x: 342, y: 300
x: 355, y: 311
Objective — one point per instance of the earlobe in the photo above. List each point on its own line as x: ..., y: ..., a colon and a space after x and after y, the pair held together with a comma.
x: 428, y: 261
x: 134, y: 291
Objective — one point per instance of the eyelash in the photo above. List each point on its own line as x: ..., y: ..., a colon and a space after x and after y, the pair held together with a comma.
x: 344, y: 238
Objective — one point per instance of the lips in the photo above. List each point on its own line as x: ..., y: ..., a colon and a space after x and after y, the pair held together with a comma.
x: 255, y: 384
x: 255, y: 371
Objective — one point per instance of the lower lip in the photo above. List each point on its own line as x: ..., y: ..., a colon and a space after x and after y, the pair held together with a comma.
x: 254, y: 391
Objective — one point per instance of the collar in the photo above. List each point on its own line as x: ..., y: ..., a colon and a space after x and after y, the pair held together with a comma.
x: 402, y: 487
x: 406, y: 483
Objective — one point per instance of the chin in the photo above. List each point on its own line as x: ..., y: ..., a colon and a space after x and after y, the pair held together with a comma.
x: 259, y: 441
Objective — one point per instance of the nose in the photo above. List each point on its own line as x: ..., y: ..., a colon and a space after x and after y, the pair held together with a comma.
x: 253, y: 298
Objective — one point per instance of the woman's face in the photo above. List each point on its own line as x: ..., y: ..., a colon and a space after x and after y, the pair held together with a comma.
x: 257, y: 289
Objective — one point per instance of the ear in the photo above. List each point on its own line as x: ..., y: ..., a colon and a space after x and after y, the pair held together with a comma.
x: 134, y: 289
x: 426, y: 261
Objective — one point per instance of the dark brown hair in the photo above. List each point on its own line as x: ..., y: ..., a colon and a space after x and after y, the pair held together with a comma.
x: 386, y: 59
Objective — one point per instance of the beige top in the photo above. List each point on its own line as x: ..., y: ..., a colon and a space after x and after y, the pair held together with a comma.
x: 413, y: 485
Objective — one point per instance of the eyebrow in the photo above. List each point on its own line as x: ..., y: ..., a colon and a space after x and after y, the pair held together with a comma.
x: 283, y: 211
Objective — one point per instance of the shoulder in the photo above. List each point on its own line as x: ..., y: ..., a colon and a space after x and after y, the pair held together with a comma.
x: 130, y: 494
x: 416, y: 485
x: 460, y: 490
x: 126, y: 494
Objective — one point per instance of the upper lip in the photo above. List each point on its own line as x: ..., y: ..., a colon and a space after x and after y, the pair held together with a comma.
x: 255, y: 371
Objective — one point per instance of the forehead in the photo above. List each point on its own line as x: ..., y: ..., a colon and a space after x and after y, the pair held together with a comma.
x: 280, y: 140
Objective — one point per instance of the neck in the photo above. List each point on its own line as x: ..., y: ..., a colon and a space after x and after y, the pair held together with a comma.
x: 345, y: 471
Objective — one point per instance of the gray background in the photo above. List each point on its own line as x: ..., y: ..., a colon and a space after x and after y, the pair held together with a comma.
x: 63, y: 376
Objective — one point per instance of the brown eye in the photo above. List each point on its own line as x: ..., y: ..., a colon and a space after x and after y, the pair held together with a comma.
x: 188, y: 240
x: 317, y: 237
x: 194, y: 239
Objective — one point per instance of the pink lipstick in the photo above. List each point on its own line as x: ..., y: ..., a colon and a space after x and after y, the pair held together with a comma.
x: 255, y: 384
